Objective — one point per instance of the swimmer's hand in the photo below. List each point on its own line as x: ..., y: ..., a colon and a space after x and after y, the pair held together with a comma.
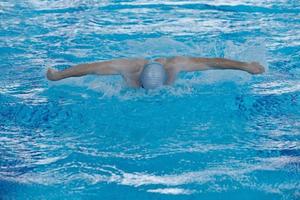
x: 254, y: 68
x: 53, y: 75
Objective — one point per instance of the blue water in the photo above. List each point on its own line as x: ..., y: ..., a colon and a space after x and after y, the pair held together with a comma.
x: 213, y: 135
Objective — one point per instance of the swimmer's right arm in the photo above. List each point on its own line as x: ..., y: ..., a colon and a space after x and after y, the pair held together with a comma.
x: 120, y: 66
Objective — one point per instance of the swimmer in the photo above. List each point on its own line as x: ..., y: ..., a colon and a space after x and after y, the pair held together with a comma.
x: 153, y: 74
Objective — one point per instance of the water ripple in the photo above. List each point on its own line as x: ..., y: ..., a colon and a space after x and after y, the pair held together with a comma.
x: 221, y: 132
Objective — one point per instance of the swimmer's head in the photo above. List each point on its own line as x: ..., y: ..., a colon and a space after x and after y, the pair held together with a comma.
x: 153, y: 75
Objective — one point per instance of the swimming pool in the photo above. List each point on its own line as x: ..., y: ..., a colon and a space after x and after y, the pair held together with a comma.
x: 214, y: 135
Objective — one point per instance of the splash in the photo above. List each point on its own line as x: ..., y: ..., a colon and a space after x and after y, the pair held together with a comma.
x: 157, y: 47
x: 250, y: 51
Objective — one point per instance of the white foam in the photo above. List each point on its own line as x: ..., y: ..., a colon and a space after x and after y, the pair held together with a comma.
x: 173, y: 191
x: 276, y: 87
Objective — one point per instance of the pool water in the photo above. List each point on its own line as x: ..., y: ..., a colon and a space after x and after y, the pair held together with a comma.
x: 213, y: 135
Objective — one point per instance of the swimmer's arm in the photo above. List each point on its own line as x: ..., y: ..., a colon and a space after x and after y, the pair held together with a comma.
x: 196, y: 64
x: 122, y: 66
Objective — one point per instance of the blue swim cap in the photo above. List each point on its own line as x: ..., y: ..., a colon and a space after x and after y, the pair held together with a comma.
x: 153, y: 75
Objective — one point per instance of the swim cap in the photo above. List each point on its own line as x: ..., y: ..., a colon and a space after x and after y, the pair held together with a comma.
x: 153, y: 75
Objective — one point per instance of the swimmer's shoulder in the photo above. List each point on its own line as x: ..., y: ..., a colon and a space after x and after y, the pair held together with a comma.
x: 131, y: 65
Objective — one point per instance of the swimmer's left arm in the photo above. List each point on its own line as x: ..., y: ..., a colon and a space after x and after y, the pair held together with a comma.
x: 197, y: 64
